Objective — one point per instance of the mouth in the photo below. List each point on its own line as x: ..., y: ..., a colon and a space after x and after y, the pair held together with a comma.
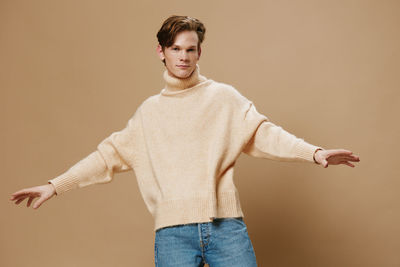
x: 183, y: 66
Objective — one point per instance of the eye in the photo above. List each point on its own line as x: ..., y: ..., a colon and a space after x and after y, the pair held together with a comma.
x: 175, y: 48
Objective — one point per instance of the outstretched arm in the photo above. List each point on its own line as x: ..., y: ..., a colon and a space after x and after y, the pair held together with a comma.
x: 264, y: 139
x: 272, y: 141
x: 114, y: 154
x: 335, y: 157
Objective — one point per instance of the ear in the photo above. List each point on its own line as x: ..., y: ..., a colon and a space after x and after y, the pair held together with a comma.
x: 160, y: 52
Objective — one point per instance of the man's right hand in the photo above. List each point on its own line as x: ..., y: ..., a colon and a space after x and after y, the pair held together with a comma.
x: 44, y: 192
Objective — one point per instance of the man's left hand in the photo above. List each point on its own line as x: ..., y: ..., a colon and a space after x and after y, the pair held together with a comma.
x: 335, y: 157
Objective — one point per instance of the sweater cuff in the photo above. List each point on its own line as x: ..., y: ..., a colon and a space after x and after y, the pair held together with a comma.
x: 306, y: 151
x: 65, y: 182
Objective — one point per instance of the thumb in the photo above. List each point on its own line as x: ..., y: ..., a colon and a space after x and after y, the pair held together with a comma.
x: 325, y: 163
x: 39, y: 202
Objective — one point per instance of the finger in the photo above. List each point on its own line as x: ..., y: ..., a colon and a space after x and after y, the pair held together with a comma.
x: 38, y: 203
x: 15, y: 195
x: 350, y: 158
x: 339, y: 152
x: 345, y: 162
x: 29, y: 201
x: 19, y: 196
x: 19, y: 200
x: 29, y: 193
x: 345, y: 157
x: 23, y: 191
x: 349, y: 164
x: 345, y: 151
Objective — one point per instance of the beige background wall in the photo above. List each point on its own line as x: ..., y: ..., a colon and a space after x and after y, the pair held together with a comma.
x: 72, y: 72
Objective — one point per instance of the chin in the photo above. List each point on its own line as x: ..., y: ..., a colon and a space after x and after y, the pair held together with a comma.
x: 182, y: 74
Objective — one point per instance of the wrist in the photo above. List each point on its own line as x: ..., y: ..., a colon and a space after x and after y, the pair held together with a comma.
x: 315, y: 152
x: 53, y: 187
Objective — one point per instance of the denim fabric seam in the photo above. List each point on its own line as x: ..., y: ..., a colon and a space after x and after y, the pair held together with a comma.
x: 155, y: 254
x: 201, y: 242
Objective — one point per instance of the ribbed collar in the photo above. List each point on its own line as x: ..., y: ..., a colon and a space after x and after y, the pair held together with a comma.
x: 176, y: 85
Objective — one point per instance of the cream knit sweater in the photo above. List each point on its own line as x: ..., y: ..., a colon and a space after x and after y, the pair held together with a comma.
x: 182, y: 145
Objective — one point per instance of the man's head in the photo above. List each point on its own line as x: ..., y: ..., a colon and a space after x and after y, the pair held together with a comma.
x: 179, y: 44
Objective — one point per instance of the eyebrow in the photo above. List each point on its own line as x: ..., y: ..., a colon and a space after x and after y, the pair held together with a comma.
x: 192, y: 46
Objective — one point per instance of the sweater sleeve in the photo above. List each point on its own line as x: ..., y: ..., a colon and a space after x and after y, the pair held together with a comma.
x: 264, y: 139
x: 114, y: 154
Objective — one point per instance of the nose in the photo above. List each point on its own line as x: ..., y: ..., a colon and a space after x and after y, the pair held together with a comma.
x: 183, y: 55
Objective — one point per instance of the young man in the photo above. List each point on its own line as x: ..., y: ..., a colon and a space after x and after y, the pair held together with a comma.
x: 182, y: 145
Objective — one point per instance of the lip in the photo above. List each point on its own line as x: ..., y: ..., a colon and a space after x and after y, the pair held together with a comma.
x: 183, y: 66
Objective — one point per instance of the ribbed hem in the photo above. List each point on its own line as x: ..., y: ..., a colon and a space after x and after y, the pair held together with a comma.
x: 306, y: 151
x: 65, y: 182
x: 197, y: 209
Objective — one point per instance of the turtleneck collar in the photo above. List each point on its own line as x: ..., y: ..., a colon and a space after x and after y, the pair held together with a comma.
x: 176, y: 85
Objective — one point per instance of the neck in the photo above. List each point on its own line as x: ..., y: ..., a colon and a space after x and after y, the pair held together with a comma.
x: 174, y: 84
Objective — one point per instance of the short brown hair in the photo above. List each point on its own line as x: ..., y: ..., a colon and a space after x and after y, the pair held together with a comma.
x: 175, y: 24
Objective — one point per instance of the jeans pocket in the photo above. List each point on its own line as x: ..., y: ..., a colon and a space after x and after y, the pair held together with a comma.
x: 238, y: 219
x: 232, y: 222
x: 229, y: 218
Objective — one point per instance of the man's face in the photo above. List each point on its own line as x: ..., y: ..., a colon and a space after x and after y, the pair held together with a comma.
x: 182, y: 56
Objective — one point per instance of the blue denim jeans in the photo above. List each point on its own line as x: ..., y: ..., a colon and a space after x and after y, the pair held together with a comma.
x: 221, y: 243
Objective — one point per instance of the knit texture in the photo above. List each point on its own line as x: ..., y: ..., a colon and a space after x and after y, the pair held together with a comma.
x: 182, y: 145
